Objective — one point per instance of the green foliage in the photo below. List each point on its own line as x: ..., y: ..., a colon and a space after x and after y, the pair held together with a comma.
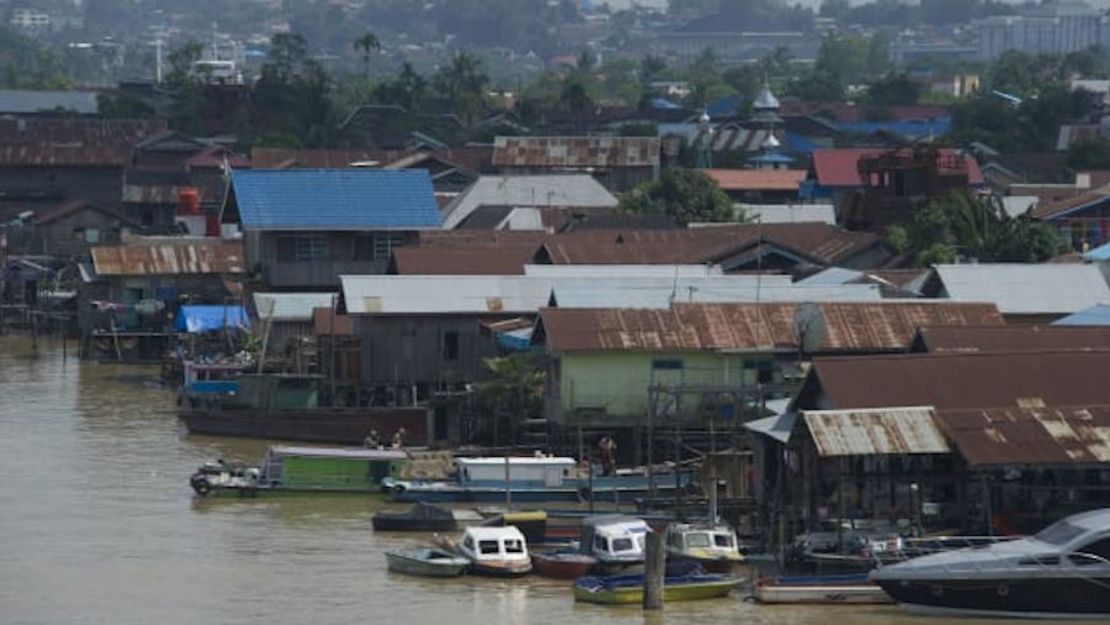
x: 684, y: 195
x: 462, y: 84
x: 515, y: 390
x: 1089, y: 154
x: 893, y: 90
x: 1030, y: 127
x: 122, y: 106
x: 975, y: 228
x: 367, y: 45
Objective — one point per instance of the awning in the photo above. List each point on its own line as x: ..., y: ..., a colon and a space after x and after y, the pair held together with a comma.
x: 195, y: 318
x: 875, y: 431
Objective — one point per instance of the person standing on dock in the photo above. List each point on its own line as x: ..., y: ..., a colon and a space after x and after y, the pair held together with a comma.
x: 607, y: 448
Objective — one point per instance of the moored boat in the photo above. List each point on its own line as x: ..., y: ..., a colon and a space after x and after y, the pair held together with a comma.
x: 427, y: 562
x: 820, y: 589
x: 714, y: 547
x: 617, y: 541
x: 629, y: 589
x: 422, y: 517
x: 562, y: 564
x: 495, y: 551
x: 289, y: 470
x: 1061, y: 572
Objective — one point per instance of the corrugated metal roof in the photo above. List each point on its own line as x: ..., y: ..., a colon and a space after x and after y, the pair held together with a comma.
x: 334, y: 199
x: 883, y: 431
x: 571, y: 152
x: 757, y: 179
x: 789, y: 213
x: 563, y: 190
x: 1018, y: 288
x: 840, y: 167
x: 661, y: 296
x: 291, y: 306
x: 194, y: 257
x: 72, y: 142
x: 1097, y: 315
x: 665, y: 271
x: 1019, y: 338
x: 20, y: 101
x: 469, y: 260
x: 758, y: 327
x: 1030, y: 436
x: 955, y: 381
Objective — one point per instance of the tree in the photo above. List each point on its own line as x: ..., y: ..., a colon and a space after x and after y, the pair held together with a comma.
x: 960, y: 224
x: 286, y: 57
x: 367, y: 45
x: 463, y: 84
x: 1089, y: 154
x: 515, y: 391
x: 893, y: 90
x: 182, y: 60
x: 684, y: 195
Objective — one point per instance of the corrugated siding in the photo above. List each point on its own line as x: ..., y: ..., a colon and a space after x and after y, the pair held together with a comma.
x: 875, y: 432
x: 215, y: 257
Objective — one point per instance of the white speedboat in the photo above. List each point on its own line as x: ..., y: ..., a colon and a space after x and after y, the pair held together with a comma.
x: 617, y: 541
x: 711, y: 546
x: 495, y: 551
x: 1061, y: 572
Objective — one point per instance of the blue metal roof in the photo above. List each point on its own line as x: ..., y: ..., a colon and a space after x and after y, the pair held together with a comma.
x: 1099, y: 254
x: 771, y: 157
x: 1097, y: 315
x: 335, y: 199
x: 908, y: 129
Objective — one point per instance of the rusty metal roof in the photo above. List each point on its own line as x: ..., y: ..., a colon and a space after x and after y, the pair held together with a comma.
x: 194, y: 257
x: 875, y: 431
x: 72, y: 142
x: 971, y: 339
x: 851, y: 327
x: 1030, y: 436
x: 600, y: 152
x: 463, y: 260
x: 955, y: 381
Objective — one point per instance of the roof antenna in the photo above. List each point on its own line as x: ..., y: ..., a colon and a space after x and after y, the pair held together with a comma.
x: 674, y: 288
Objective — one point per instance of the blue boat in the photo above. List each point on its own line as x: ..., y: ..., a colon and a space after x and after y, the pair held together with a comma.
x: 535, y: 479
x: 629, y: 589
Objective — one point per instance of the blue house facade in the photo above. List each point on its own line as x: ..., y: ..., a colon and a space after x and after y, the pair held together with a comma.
x: 303, y: 228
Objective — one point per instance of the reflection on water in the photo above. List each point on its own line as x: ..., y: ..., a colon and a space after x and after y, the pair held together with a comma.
x: 99, y: 525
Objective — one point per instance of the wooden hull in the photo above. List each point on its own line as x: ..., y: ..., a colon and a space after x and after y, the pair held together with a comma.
x: 501, y: 569
x: 680, y: 592
x: 323, y: 425
x: 562, y: 566
x: 410, y: 564
x: 821, y: 594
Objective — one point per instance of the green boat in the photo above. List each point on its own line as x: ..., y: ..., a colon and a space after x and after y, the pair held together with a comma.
x: 629, y: 589
x: 427, y: 562
x: 292, y: 470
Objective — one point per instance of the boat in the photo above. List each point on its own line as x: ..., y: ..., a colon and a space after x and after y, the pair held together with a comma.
x: 288, y: 470
x: 629, y: 589
x: 427, y: 562
x: 562, y: 564
x: 820, y: 589
x: 285, y: 407
x: 495, y: 551
x: 617, y: 541
x: 538, y: 479
x: 1061, y: 572
x: 713, y: 546
x: 422, y: 517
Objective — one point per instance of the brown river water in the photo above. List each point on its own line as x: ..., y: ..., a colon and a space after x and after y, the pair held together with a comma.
x: 98, y: 525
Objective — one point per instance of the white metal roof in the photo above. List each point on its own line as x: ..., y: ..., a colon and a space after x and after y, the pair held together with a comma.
x: 1026, y: 288
x: 522, y: 460
x: 571, y: 190
x: 789, y: 213
x: 479, y: 532
x: 290, y: 306
x: 713, y: 291
x: 355, y: 453
x: 667, y: 271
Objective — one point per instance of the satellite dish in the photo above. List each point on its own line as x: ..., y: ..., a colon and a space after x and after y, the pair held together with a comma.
x: 809, y: 327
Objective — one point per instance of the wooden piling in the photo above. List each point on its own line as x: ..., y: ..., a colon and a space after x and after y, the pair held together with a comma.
x: 655, y: 565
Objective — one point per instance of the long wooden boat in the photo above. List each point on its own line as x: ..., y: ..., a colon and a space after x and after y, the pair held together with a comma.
x: 300, y: 470
x: 427, y: 562
x: 562, y: 564
x: 629, y: 589
x: 422, y: 517
x: 820, y: 589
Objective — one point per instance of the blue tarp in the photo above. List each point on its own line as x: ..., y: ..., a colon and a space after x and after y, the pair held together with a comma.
x: 207, y: 318
x: 1097, y: 315
x: 516, y: 340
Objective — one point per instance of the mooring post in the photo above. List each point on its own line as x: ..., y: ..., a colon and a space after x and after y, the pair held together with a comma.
x: 655, y: 565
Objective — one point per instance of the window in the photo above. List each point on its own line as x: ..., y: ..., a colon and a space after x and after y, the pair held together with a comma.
x: 697, y: 541
x: 450, y: 345
x: 1099, y: 548
x: 364, y: 247
x: 1059, y: 533
x: 92, y: 235
x: 384, y: 244
x: 666, y: 364
x: 310, y: 248
x: 622, y: 544
x: 514, y: 545
x: 487, y: 547
x: 600, y: 544
x: 468, y: 542
x: 722, y: 540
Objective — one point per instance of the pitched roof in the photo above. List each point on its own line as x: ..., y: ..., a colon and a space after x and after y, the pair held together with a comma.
x: 574, y: 152
x: 1026, y: 288
x: 788, y: 213
x: 1097, y: 315
x: 954, y: 381
x: 334, y: 199
x: 1065, y: 435
x: 442, y: 260
x: 72, y: 142
x: 850, y: 327
x: 870, y: 432
x: 1075, y: 203
x: 65, y: 209
x: 291, y: 306
x: 555, y: 190
x: 840, y: 167
x: 757, y: 179
x: 1016, y: 338
x: 206, y: 256
x: 16, y: 101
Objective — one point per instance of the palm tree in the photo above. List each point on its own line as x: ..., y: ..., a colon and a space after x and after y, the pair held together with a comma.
x: 368, y: 44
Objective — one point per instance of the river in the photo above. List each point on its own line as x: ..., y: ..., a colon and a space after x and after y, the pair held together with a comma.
x: 99, y: 526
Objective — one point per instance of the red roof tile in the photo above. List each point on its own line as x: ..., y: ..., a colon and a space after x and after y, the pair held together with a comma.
x: 840, y: 167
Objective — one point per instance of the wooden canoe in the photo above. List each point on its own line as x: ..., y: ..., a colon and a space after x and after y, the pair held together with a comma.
x: 426, y: 562
x: 624, y: 590
x: 562, y: 565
